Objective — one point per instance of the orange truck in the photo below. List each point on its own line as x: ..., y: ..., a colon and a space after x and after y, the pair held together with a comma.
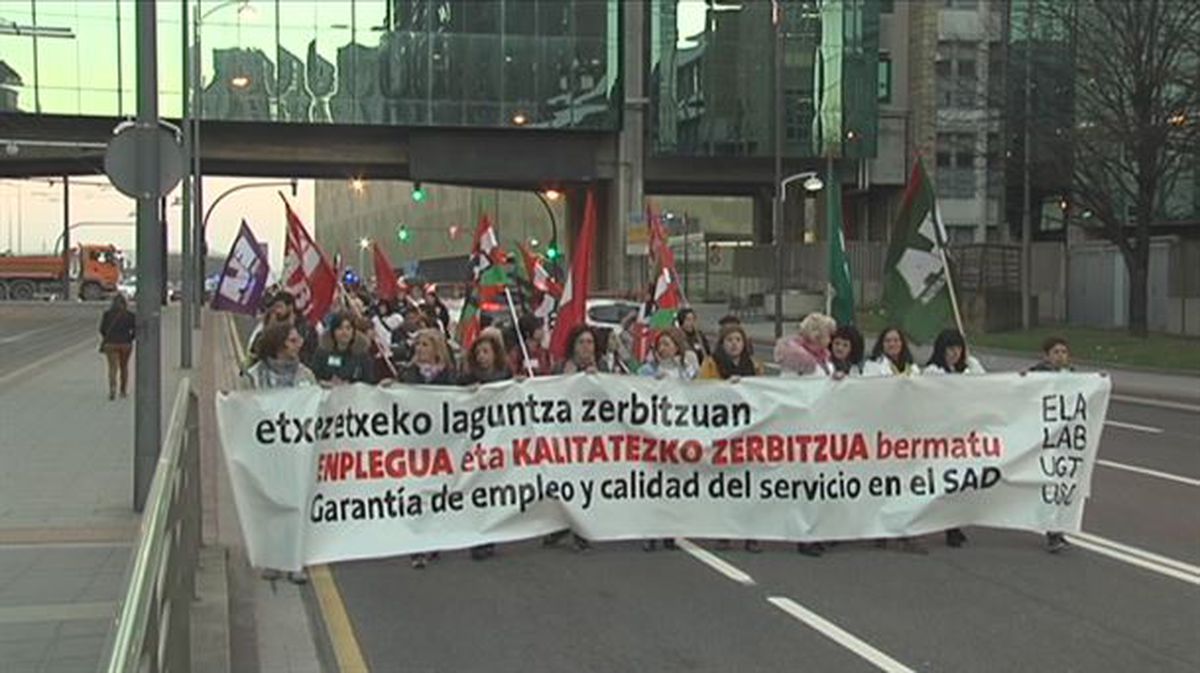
x: 95, y: 268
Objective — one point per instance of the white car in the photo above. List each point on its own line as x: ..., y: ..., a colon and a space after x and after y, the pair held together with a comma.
x: 128, y: 287
x: 608, y: 313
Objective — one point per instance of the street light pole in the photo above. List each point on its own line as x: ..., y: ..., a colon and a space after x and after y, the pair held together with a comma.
x: 197, y: 111
x: 185, y: 215
x: 66, y: 253
x: 777, y: 200
x: 148, y: 372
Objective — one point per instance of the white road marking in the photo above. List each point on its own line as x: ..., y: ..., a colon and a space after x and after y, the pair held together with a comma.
x: 24, y: 335
x: 715, y: 562
x: 1151, y: 402
x: 1135, y: 426
x: 1150, y: 473
x: 1139, y: 557
x: 839, y: 635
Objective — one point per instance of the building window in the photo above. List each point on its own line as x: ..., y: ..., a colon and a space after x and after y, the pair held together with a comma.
x: 956, y: 165
x: 958, y: 75
x: 885, y: 77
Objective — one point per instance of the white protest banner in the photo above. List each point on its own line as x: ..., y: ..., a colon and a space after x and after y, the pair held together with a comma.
x: 358, y: 472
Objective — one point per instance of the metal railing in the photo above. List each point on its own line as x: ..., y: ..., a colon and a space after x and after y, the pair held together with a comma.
x: 152, y: 632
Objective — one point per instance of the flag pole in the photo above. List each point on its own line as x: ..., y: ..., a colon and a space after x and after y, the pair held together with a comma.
x: 941, y: 245
x: 517, y: 324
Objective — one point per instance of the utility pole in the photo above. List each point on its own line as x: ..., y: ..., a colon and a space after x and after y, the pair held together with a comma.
x: 1027, y: 205
x: 148, y: 374
x: 777, y: 201
x: 66, y: 251
x: 185, y: 213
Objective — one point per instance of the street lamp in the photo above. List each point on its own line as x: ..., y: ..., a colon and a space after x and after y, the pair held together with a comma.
x: 812, y: 183
x: 358, y: 185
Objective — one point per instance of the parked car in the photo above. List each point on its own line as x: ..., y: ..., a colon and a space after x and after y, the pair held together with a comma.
x: 608, y: 313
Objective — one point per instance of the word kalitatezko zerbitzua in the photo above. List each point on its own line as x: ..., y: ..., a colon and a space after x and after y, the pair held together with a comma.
x: 357, y: 472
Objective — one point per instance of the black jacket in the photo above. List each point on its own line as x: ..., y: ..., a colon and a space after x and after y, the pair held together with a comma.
x: 118, y: 327
x: 471, y: 378
x: 348, y: 365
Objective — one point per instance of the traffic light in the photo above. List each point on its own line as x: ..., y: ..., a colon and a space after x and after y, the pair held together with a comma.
x: 403, y: 234
x: 552, y: 252
x: 418, y: 193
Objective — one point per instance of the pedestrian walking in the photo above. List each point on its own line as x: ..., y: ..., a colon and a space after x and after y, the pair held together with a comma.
x: 846, y: 351
x: 730, y: 361
x: 689, y: 322
x: 344, y: 354
x: 118, y: 329
x: 1056, y: 357
x: 279, y: 366
x: 950, y: 356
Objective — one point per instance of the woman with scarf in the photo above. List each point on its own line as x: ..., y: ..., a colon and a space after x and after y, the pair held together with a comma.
x: 279, y: 366
x: 670, y: 359
x: 485, y: 363
x: 431, y: 365
x: 807, y: 352
x: 950, y: 357
x: 344, y: 355
x: 731, y: 361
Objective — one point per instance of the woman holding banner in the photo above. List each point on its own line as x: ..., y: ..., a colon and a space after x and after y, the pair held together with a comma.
x: 485, y: 363
x: 950, y: 357
x: 582, y: 357
x: 343, y: 356
x: 431, y: 365
x: 731, y: 361
x: 807, y: 352
x: 892, y: 356
x: 846, y: 352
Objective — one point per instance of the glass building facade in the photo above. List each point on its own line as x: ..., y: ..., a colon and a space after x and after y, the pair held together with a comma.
x: 500, y: 63
x: 712, y: 78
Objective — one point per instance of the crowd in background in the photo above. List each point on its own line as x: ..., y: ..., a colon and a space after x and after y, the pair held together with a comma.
x: 409, y: 341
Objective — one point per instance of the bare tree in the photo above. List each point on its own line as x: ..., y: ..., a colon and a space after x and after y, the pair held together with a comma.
x: 1137, y: 119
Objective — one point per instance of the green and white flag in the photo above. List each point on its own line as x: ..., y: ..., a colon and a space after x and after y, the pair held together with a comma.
x: 916, y: 290
x: 840, y: 283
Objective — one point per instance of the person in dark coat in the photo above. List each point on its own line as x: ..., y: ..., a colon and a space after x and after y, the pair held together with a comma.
x: 344, y: 355
x: 118, y: 328
x: 1056, y: 357
x: 485, y: 363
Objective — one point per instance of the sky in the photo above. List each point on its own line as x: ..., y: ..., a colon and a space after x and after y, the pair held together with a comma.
x: 31, y: 214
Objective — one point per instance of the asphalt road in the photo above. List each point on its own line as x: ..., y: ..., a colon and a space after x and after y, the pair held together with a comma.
x: 1126, y: 597
x: 32, y: 331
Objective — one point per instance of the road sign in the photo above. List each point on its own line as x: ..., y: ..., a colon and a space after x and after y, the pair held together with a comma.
x: 121, y: 161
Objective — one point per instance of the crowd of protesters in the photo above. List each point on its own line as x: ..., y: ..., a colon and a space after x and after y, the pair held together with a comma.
x: 409, y: 341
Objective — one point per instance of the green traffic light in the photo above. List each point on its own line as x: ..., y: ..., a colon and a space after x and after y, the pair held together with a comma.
x: 402, y: 234
x: 552, y: 253
x: 418, y: 193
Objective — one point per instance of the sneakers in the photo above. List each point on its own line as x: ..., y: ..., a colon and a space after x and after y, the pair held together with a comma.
x: 299, y: 577
x: 649, y: 545
x: 554, y: 538
x: 1056, y: 542
x: 483, y: 551
x: 581, y: 544
x: 752, y: 547
x: 418, y: 561
x: 271, y: 574
x: 955, y: 538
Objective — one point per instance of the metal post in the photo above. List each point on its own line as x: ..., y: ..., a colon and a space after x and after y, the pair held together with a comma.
x: 197, y: 110
x: 687, y: 270
x: 66, y: 250
x: 163, y: 267
x: 1026, y: 207
x: 148, y: 382
x: 777, y: 201
x: 185, y: 213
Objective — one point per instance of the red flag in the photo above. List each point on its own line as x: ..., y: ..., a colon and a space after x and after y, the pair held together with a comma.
x: 385, y: 275
x: 307, y: 274
x: 573, y: 306
x: 488, y: 272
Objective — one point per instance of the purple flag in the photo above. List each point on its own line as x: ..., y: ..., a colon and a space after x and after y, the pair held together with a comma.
x: 244, y: 277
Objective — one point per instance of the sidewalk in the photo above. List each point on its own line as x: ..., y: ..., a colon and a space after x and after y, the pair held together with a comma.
x: 1128, y: 382
x: 66, y: 520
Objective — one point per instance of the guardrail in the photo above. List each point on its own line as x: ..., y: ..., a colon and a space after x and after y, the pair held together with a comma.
x: 153, y: 629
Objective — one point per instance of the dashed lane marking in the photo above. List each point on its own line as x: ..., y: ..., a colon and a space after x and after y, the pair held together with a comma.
x: 715, y: 562
x: 839, y: 635
x: 1135, y: 426
x: 1149, y: 473
x: 1141, y: 558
